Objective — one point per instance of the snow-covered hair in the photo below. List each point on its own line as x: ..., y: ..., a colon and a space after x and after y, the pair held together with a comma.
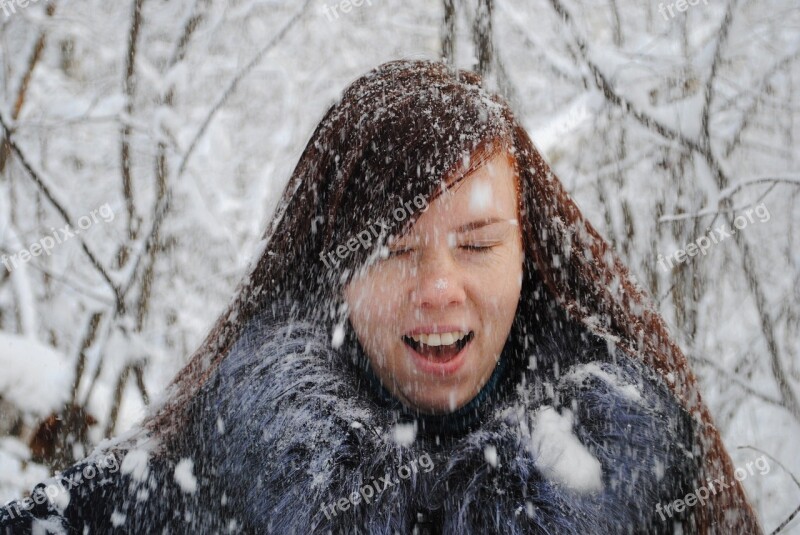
x: 414, y: 128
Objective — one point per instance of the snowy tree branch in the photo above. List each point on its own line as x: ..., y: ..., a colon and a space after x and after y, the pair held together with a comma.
x: 231, y: 88
x: 705, y: 116
x: 703, y: 148
x: 49, y: 192
x: 741, y: 384
x: 38, y: 49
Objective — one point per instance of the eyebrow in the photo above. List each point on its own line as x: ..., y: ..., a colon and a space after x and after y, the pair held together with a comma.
x: 472, y: 225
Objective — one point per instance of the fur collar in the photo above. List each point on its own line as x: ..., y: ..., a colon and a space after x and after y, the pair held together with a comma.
x: 292, y: 437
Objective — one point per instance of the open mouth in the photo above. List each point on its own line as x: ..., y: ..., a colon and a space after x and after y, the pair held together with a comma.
x: 439, y: 347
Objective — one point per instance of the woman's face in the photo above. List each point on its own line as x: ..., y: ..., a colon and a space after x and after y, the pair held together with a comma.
x: 434, y: 315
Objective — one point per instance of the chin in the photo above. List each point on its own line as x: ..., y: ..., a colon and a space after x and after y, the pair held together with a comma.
x: 438, y: 406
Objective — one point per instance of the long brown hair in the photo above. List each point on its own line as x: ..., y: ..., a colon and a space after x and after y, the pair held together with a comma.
x: 395, y: 134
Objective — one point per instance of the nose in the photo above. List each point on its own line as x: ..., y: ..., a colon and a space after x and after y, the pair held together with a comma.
x: 438, y: 283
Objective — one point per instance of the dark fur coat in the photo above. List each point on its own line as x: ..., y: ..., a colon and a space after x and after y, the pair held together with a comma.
x: 286, y: 438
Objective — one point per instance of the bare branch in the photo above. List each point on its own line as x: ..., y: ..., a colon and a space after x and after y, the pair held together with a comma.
x: 235, y: 83
x: 129, y: 89
x: 482, y: 37
x: 732, y: 190
x: 723, y: 31
x: 778, y: 67
x: 786, y: 522
x: 449, y: 33
x: 612, y: 96
x: 796, y: 482
x: 703, y: 148
x: 161, y: 175
x: 726, y: 195
x: 192, y: 23
x: 38, y: 49
x: 59, y: 206
x: 744, y: 386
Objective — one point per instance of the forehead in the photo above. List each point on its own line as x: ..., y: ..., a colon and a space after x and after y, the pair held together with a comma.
x: 489, y: 190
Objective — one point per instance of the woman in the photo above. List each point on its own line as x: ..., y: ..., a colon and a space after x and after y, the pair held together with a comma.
x: 433, y: 340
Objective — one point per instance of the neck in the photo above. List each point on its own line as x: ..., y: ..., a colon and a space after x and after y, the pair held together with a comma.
x: 456, y: 422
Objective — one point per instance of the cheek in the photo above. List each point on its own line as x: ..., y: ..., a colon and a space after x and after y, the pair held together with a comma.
x: 498, y: 315
x: 374, y: 306
x: 502, y: 284
x: 498, y: 296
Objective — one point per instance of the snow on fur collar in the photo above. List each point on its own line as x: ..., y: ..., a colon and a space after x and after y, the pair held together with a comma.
x: 289, y: 436
x: 286, y: 438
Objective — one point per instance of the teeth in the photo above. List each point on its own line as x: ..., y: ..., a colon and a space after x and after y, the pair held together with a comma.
x: 434, y: 340
x: 442, y: 339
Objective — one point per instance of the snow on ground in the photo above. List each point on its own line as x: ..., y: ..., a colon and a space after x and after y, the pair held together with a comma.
x: 16, y: 470
x: 35, y: 377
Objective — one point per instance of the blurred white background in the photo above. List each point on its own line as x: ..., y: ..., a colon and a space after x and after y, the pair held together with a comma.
x: 660, y: 126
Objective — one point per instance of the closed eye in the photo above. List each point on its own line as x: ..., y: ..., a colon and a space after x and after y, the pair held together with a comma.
x: 398, y: 252
x: 480, y: 243
x: 472, y: 247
